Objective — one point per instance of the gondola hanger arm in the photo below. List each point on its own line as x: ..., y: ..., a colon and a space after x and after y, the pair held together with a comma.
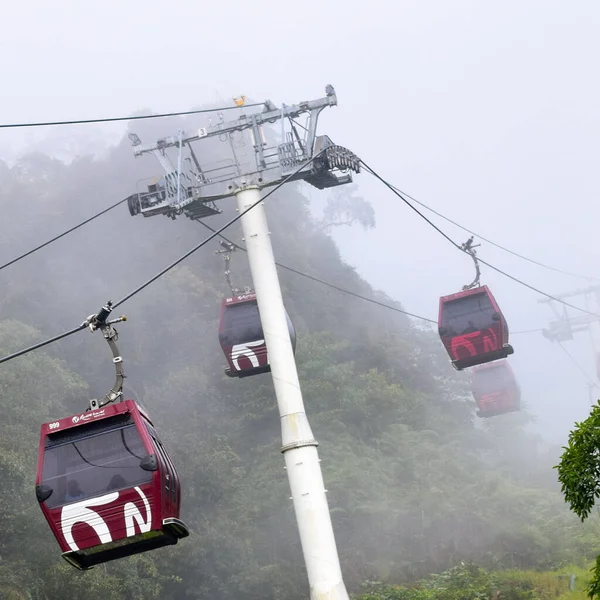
x: 228, y: 248
x: 469, y: 248
x: 110, y: 334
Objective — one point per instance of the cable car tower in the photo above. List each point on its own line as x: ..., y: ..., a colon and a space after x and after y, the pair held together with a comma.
x: 257, y: 159
x: 565, y: 326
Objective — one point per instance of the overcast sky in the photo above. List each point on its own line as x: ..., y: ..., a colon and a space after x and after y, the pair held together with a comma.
x: 486, y: 111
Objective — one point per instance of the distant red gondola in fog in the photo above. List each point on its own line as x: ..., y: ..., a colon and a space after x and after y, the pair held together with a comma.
x: 472, y: 328
x: 105, y: 482
x: 242, y: 338
x: 495, y: 389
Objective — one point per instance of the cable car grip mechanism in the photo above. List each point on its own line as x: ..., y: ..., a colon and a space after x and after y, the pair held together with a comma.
x: 110, y: 334
x: 469, y: 248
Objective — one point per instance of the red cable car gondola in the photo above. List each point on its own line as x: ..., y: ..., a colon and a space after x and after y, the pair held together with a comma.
x: 242, y: 338
x: 472, y: 328
x: 495, y: 389
x: 470, y: 323
x: 105, y: 483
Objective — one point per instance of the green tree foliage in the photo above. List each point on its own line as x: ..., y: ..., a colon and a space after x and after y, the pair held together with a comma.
x: 579, y: 467
x: 579, y: 476
x: 470, y: 582
x: 416, y: 484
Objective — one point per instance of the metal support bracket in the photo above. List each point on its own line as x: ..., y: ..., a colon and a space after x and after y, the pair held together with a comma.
x: 256, y: 159
x: 110, y: 334
x: 228, y: 248
x: 469, y: 248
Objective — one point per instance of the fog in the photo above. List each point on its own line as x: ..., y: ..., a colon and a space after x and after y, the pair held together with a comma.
x: 486, y: 112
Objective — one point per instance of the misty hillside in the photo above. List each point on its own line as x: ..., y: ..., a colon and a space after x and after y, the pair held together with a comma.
x: 416, y: 483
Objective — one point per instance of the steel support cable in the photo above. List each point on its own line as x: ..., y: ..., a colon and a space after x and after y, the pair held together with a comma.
x: 326, y: 283
x: 589, y: 379
x: 527, y: 331
x: 218, y: 232
x: 504, y: 248
x: 344, y: 291
x: 538, y: 291
x: 57, y: 237
x: 169, y: 267
x: 135, y: 118
x: 42, y: 344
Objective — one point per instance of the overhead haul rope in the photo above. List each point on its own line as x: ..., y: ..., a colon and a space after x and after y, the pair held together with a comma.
x: 217, y: 232
x: 589, y: 379
x: 499, y: 246
x: 57, y: 237
x: 345, y: 291
x: 135, y: 118
x: 459, y: 247
x: 322, y: 282
x: 169, y: 267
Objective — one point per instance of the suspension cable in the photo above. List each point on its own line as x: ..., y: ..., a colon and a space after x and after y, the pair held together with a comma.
x: 134, y: 118
x: 57, y: 237
x: 326, y: 283
x: 521, y: 282
x: 169, y: 267
x: 42, y: 344
x: 589, y: 379
x: 499, y: 246
x: 217, y: 232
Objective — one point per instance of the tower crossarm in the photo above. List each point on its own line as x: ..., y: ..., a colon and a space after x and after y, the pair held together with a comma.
x: 270, y: 114
x: 255, y: 159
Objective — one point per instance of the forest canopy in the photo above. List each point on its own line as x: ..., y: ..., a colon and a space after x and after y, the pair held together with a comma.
x: 416, y: 483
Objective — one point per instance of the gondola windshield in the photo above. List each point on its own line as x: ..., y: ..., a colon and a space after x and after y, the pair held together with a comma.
x: 468, y: 314
x: 241, y: 324
x: 104, y: 457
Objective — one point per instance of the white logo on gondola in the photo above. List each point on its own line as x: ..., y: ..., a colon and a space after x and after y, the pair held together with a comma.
x: 79, y: 512
x: 87, y: 416
x: 240, y: 350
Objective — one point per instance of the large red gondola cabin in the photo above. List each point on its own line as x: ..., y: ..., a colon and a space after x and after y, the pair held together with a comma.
x: 495, y: 389
x: 472, y: 328
x: 242, y: 338
x: 107, y: 486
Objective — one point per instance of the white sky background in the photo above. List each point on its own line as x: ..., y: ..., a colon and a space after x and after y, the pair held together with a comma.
x: 486, y: 111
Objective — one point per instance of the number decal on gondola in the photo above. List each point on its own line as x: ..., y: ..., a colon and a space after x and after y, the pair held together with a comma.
x: 55, y: 425
x: 79, y: 512
x: 240, y: 350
